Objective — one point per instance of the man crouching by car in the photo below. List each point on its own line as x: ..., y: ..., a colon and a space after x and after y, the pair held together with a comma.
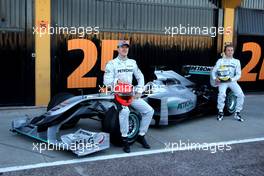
x: 121, y: 70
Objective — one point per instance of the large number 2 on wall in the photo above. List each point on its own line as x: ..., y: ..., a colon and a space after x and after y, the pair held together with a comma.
x: 256, y: 54
x: 76, y: 79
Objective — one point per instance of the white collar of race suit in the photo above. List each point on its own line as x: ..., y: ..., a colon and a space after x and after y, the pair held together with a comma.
x: 228, y: 58
x: 122, y: 59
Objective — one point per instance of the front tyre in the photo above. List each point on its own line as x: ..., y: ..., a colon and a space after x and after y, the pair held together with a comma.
x: 110, y: 124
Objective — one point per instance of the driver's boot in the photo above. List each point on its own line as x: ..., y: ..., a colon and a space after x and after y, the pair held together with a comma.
x: 126, y: 147
x: 143, y: 142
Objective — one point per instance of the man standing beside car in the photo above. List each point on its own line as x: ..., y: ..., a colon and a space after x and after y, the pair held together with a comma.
x: 121, y: 70
x: 226, y: 73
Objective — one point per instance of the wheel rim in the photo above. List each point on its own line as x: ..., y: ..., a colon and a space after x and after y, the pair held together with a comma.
x: 133, y: 126
x: 231, y: 102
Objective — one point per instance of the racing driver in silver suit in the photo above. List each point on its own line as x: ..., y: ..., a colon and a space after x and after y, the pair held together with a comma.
x: 121, y: 70
x: 233, y: 68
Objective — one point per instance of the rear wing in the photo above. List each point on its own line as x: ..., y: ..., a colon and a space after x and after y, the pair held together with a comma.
x: 200, y: 70
x: 197, y: 70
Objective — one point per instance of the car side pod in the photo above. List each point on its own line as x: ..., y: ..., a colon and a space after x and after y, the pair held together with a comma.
x: 81, y: 142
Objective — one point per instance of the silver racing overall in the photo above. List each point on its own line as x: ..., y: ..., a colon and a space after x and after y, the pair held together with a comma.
x: 123, y: 70
x: 228, y: 71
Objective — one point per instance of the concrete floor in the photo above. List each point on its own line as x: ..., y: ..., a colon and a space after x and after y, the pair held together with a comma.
x: 16, y: 150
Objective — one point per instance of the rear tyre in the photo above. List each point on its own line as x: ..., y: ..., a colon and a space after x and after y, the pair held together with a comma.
x: 230, y: 103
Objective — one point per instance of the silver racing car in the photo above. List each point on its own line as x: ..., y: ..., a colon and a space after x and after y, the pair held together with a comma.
x: 171, y: 95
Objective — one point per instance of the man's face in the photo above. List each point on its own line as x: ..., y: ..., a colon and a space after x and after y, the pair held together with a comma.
x: 123, y: 51
x: 229, y: 51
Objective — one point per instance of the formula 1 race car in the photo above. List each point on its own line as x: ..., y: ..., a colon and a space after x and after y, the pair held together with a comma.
x: 171, y: 95
x: 175, y: 97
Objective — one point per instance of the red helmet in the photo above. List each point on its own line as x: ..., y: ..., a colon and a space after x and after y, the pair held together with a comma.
x: 124, y: 93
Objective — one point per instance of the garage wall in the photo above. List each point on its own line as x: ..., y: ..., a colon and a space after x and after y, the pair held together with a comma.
x: 140, y: 23
x: 250, y: 47
x: 248, y: 24
x: 252, y: 4
x: 193, y: 3
x: 126, y: 16
x: 16, y: 47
